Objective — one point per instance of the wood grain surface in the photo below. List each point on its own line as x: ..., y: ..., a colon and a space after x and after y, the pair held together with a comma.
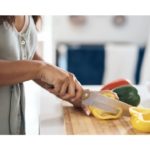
x: 76, y: 123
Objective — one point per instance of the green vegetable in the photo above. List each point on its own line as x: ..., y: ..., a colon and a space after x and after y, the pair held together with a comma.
x: 128, y: 94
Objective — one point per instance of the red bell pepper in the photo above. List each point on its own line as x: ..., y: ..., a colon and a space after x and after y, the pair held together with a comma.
x: 115, y: 84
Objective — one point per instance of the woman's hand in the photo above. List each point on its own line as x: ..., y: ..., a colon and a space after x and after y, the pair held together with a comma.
x: 66, y: 86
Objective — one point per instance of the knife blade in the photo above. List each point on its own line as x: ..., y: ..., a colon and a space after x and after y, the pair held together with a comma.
x: 94, y: 98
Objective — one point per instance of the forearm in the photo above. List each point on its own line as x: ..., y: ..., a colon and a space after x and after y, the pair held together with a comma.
x: 12, y: 72
x: 38, y: 81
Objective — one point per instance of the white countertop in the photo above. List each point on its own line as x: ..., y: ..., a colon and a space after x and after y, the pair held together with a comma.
x: 51, y: 111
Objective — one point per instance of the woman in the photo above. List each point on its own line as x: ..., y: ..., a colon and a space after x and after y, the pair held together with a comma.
x: 20, y: 62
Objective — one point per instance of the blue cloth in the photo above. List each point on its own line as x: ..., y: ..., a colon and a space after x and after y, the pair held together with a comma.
x: 141, y: 53
x: 87, y: 63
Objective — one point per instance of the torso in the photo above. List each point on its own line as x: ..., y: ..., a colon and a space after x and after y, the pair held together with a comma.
x: 16, y: 43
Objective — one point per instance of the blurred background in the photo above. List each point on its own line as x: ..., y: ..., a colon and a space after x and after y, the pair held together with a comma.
x: 99, y: 49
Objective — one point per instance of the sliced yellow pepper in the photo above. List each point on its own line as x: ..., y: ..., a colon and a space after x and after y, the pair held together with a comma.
x: 140, y: 118
x: 101, y: 114
x: 109, y: 94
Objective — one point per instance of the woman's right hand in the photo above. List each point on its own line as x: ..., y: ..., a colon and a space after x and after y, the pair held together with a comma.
x: 66, y: 86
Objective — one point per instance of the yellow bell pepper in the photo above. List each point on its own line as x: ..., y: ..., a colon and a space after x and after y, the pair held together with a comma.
x: 140, y: 118
x: 101, y: 114
x: 109, y: 94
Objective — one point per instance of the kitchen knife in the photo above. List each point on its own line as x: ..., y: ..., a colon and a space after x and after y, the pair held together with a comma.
x: 94, y: 98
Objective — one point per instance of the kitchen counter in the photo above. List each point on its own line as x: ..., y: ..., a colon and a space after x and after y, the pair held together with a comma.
x: 52, y: 113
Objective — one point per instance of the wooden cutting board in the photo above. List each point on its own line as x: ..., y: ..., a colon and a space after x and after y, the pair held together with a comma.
x: 76, y: 123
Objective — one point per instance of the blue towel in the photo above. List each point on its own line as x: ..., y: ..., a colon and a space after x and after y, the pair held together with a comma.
x: 87, y: 63
x: 140, y: 58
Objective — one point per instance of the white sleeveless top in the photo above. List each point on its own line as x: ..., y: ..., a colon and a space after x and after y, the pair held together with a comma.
x: 15, y: 45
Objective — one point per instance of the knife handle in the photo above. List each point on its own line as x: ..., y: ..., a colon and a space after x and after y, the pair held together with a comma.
x: 86, y: 94
x: 49, y: 86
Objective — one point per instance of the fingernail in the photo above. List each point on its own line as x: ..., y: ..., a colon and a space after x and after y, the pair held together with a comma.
x: 87, y: 113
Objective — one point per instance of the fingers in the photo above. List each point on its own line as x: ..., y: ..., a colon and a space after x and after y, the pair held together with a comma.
x: 86, y: 110
x: 57, y: 88
x: 64, y: 89
x: 71, y: 89
x: 79, y: 92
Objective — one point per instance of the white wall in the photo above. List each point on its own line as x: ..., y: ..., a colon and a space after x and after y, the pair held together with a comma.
x: 101, y: 29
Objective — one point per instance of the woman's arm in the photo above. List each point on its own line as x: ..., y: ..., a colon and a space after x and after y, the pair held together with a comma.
x: 71, y: 89
x: 65, y: 85
x: 12, y: 72
x: 38, y: 81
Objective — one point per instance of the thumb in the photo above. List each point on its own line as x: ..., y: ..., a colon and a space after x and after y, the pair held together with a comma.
x: 86, y: 110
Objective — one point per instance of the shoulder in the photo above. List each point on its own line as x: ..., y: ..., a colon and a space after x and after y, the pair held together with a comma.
x: 5, y: 28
